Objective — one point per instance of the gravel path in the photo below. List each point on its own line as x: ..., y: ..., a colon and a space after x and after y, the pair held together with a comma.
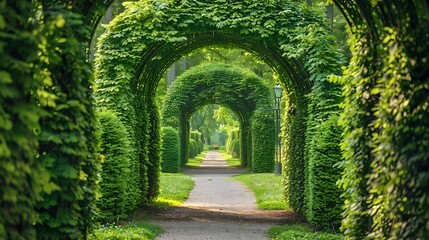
x: 218, y: 208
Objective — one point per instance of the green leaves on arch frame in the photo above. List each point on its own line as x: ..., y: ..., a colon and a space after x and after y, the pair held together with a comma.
x: 142, y: 43
x: 240, y: 90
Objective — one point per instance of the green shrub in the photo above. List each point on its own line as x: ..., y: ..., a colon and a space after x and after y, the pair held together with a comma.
x: 197, y: 137
x: 68, y: 143
x: 116, y: 149
x: 235, y: 149
x: 21, y: 175
x: 170, y: 160
x: 154, y: 152
x: 324, y: 204
x: 263, y: 142
x: 232, y: 135
x: 193, y: 148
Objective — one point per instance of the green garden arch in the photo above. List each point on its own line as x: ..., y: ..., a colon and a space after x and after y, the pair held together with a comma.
x: 143, y: 41
x: 242, y: 91
x: 370, y: 179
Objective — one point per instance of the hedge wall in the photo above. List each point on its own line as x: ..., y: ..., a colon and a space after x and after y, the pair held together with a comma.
x: 21, y: 175
x: 170, y: 160
x: 386, y: 119
x: 154, y: 152
x: 232, y: 135
x: 263, y: 128
x: 197, y: 137
x: 116, y: 150
x: 193, y: 148
x: 68, y: 142
x: 324, y: 204
x: 235, y: 149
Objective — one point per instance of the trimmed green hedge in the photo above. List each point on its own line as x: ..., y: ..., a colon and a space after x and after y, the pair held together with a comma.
x: 170, y: 160
x: 235, y: 149
x: 232, y: 135
x: 197, y: 137
x: 193, y: 148
x: 68, y: 141
x: 21, y: 175
x: 263, y: 128
x: 116, y: 150
x: 324, y: 202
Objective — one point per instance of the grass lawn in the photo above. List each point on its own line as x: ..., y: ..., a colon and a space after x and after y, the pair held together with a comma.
x: 174, y: 189
x: 300, y: 232
x: 268, y: 190
x: 137, y: 231
x: 232, y: 162
x: 196, y: 161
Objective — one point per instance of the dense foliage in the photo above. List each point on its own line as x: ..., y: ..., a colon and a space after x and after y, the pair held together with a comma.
x: 193, y: 148
x: 47, y: 114
x: 386, y: 121
x: 233, y: 134
x: 323, y: 202
x: 67, y: 141
x: 46, y: 88
x: 235, y: 148
x: 240, y: 90
x: 170, y: 160
x: 286, y: 35
x: 262, y: 142
x: 115, y: 174
x: 21, y: 175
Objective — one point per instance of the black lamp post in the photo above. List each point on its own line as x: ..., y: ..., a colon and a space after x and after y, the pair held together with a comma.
x: 278, y: 163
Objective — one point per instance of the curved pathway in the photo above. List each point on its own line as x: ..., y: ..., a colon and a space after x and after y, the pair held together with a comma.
x: 218, y: 207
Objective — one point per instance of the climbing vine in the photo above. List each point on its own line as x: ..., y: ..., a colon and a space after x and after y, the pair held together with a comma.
x: 68, y: 139
x: 21, y: 175
x: 385, y: 120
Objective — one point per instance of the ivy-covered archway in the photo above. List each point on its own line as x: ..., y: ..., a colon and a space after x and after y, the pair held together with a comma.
x: 142, y: 42
x: 383, y: 170
x: 241, y: 91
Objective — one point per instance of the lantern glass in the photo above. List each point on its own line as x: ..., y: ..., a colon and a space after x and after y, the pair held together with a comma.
x: 278, y: 90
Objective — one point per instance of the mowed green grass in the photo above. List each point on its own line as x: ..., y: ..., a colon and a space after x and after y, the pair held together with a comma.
x: 174, y: 189
x: 137, y: 231
x: 300, y: 232
x: 196, y: 161
x: 268, y: 190
x: 232, y: 162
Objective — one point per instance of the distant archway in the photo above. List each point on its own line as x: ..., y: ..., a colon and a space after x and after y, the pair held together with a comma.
x: 242, y: 91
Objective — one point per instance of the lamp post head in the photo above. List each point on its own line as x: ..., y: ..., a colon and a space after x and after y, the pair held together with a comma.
x: 278, y: 91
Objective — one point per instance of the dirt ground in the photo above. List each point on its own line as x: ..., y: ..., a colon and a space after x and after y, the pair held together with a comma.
x: 218, y: 207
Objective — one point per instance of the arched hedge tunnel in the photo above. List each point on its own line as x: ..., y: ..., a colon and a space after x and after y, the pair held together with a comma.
x: 241, y: 91
x: 47, y: 107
